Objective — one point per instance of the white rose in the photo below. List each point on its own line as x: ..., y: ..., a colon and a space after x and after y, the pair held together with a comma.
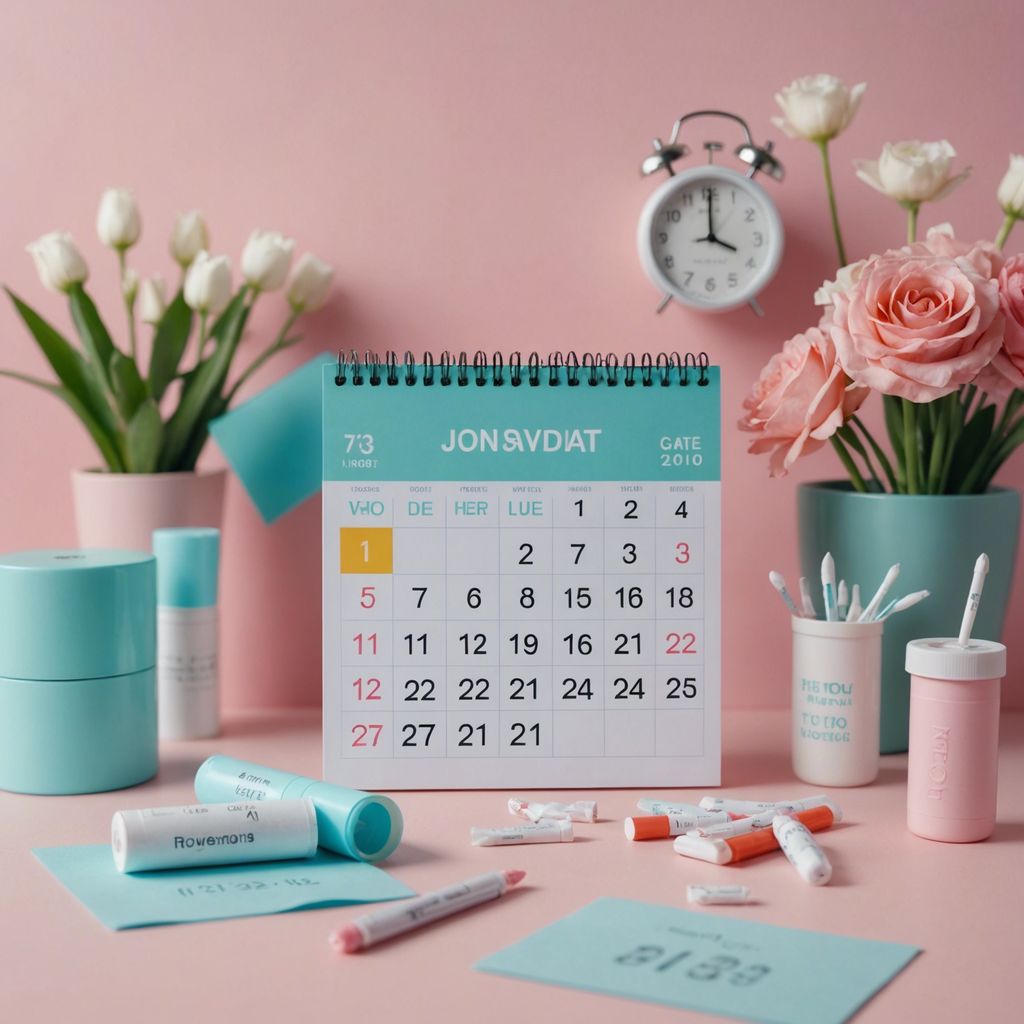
x: 309, y: 284
x: 117, y: 221
x: 152, y: 299
x: 58, y: 261
x: 208, y: 284
x: 912, y: 172
x: 845, y: 279
x: 189, y: 237
x: 1011, y: 188
x: 817, y: 107
x: 266, y: 259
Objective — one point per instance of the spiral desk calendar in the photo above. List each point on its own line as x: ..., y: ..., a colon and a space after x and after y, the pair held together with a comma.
x: 521, y: 572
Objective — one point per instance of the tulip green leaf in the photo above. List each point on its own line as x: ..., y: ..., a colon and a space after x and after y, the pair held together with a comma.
x: 91, y: 329
x: 144, y: 438
x: 169, y: 343
x: 129, y: 388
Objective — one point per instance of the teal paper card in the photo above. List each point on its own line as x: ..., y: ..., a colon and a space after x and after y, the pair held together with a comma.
x: 208, y: 894
x: 705, y: 962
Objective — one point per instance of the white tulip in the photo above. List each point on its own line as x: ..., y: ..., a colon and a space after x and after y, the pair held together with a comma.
x: 129, y: 286
x: 117, y: 221
x: 912, y: 172
x: 58, y: 261
x: 1011, y: 188
x: 847, y: 277
x: 208, y: 283
x: 189, y: 237
x: 310, y: 282
x: 266, y: 259
x: 817, y: 107
x: 152, y: 299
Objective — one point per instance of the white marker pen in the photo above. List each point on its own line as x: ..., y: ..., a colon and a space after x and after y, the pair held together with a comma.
x: 806, y: 600
x: 746, y: 807
x: 764, y: 819
x: 883, y: 588
x: 662, y: 807
x: 545, y: 832
x: 712, y: 894
x: 197, y: 835
x: 801, y: 850
x: 579, y: 810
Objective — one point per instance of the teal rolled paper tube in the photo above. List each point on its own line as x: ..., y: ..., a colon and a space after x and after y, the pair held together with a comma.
x: 936, y: 539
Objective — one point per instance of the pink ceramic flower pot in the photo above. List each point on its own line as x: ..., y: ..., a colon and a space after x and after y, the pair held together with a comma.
x: 121, y: 510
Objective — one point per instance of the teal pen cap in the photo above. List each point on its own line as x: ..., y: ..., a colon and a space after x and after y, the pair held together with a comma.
x: 363, y: 826
x: 186, y: 566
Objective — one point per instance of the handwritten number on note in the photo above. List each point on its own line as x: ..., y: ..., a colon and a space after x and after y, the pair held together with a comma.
x: 729, y: 969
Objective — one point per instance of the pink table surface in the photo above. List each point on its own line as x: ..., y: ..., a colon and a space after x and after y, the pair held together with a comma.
x: 962, y: 904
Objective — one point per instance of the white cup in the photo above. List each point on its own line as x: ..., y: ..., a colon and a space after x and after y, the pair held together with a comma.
x: 837, y: 671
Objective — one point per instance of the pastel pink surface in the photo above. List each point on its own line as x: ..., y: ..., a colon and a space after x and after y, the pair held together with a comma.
x: 472, y: 171
x: 956, y: 901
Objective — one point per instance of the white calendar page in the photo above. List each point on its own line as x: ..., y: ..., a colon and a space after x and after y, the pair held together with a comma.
x: 521, y: 585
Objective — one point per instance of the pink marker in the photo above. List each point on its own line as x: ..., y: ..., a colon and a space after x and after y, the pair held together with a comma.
x: 415, y: 913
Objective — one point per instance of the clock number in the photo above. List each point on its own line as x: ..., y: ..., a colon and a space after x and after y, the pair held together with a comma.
x: 687, y: 278
x: 709, y: 284
x: 663, y: 237
x: 750, y: 263
x: 748, y: 214
x: 686, y: 199
x: 670, y: 262
x: 733, y: 280
x: 673, y: 215
x: 758, y: 239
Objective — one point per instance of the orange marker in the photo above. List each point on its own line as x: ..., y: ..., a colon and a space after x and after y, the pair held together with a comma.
x: 662, y: 826
x: 736, y: 848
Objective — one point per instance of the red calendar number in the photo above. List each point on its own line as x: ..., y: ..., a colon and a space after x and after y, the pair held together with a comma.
x: 682, y: 552
x: 681, y: 643
x: 365, y: 643
x: 368, y: 597
x: 372, y: 687
x: 360, y: 732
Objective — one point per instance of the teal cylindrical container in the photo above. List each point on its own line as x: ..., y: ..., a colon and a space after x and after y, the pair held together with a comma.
x: 936, y: 538
x: 77, y: 670
x: 363, y: 826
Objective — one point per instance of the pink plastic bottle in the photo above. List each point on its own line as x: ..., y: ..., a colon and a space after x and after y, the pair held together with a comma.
x: 952, y: 766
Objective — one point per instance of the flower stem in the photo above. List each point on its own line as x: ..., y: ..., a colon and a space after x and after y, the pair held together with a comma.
x: 128, y: 306
x: 913, y: 209
x: 911, y: 445
x: 827, y: 167
x: 883, y: 459
x: 1004, y: 231
x: 856, y: 478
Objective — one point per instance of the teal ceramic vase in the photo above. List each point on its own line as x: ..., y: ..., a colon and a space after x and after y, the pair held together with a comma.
x: 936, y: 539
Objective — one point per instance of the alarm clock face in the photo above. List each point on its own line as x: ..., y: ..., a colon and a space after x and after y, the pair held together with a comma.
x: 710, y: 238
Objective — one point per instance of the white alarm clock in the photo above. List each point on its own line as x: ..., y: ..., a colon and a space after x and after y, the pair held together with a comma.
x: 710, y: 237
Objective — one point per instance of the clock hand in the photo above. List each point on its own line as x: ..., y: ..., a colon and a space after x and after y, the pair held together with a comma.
x: 711, y: 226
x: 724, y: 245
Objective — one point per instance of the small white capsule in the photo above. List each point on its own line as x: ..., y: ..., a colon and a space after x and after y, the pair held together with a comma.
x: 709, y: 894
x: 801, y: 850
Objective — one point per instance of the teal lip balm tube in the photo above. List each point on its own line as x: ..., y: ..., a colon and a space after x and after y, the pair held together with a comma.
x: 363, y: 826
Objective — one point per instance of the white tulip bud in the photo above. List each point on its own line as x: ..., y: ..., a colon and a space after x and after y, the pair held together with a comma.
x: 208, y: 284
x: 310, y: 282
x: 266, y: 259
x: 129, y: 286
x: 58, y: 261
x: 1011, y: 188
x: 912, y: 172
x: 117, y: 222
x: 189, y: 237
x: 817, y: 107
x: 152, y: 299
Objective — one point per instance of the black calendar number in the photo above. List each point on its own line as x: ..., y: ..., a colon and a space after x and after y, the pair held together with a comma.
x: 417, y: 735
x: 678, y: 688
x: 467, y: 734
x: 579, y: 643
x: 681, y: 510
x: 422, y: 592
x: 526, y: 554
x: 526, y: 598
x: 624, y: 689
x: 579, y: 549
x: 419, y: 689
x: 473, y: 597
x: 578, y: 597
x: 728, y: 969
x: 680, y: 597
x: 627, y: 643
x: 573, y: 689
x: 579, y: 507
x: 628, y: 553
x: 518, y: 688
x: 474, y: 689
x: 630, y: 507
x: 526, y: 643
x: 416, y: 644
x: 521, y: 732
x: 475, y: 644
x: 631, y: 596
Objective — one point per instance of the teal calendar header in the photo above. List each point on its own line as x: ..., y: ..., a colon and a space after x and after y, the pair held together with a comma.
x: 544, y: 432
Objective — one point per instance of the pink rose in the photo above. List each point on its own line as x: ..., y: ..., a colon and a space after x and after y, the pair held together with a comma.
x: 1006, y: 371
x: 918, y: 325
x: 985, y: 256
x: 799, y: 401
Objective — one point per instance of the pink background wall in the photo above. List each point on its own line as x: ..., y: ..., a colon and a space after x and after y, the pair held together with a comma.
x: 471, y: 170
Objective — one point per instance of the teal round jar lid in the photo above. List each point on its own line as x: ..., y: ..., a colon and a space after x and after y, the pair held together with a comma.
x: 77, y: 614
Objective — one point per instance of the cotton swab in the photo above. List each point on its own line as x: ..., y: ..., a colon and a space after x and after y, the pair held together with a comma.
x: 902, y: 604
x: 805, y: 598
x: 890, y: 578
x: 973, y: 599
x: 843, y: 600
x: 855, y: 606
x: 778, y: 582
x: 828, y: 586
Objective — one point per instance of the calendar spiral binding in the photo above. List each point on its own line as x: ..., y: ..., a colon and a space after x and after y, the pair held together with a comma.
x: 594, y: 370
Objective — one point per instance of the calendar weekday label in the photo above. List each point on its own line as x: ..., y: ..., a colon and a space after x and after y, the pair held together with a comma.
x: 556, y: 628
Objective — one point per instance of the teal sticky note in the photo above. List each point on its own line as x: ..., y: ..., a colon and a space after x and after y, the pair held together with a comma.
x: 208, y: 894
x: 705, y: 962
x: 274, y: 442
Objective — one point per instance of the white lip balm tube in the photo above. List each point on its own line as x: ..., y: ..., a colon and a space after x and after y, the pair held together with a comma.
x: 662, y: 826
x: 579, y: 810
x: 763, y: 819
x: 711, y: 894
x: 801, y: 850
x: 545, y: 832
x: 663, y: 807
x: 718, y: 803
x: 202, y: 834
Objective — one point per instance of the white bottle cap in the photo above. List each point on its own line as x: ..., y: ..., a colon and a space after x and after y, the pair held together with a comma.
x: 944, y: 658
